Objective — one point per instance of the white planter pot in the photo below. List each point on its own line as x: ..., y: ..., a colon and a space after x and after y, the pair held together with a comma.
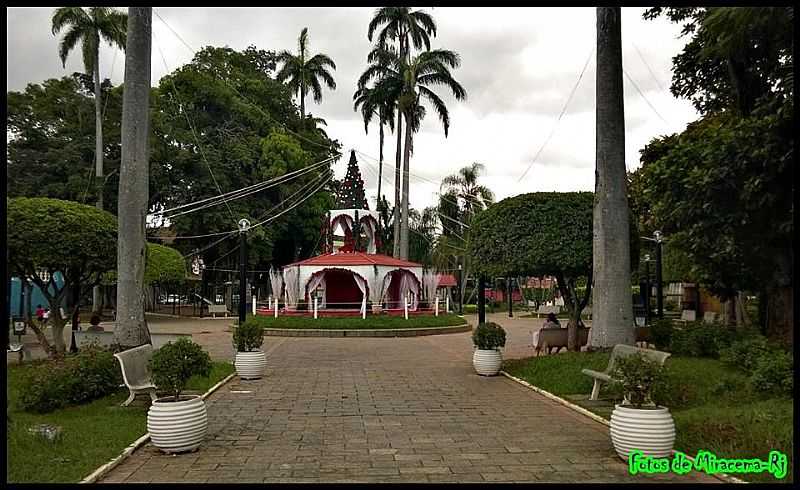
x: 250, y: 365
x: 650, y: 430
x: 177, y: 427
x: 487, y: 362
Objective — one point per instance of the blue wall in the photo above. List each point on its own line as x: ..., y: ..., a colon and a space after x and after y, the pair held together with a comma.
x: 37, y: 297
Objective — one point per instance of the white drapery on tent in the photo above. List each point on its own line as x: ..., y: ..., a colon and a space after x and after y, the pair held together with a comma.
x: 276, y: 282
x: 316, y: 281
x: 366, y: 218
x: 362, y: 285
x: 291, y: 276
x: 430, y: 281
x: 409, y: 285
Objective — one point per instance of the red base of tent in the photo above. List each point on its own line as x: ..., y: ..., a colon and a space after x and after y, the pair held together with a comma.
x: 341, y: 313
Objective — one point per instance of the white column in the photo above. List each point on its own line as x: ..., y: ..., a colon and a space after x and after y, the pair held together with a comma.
x: 254, y: 305
x: 276, y: 307
x: 315, y: 307
x: 405, y: 306
x: 269, y: 302
x: 447, y: 303
x: 437, y: 305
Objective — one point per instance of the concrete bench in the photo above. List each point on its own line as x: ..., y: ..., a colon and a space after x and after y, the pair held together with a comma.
x: 620, y: 351
x: 214, y: 309
x: 136, y: 371
x: 688, y: 316
x: 556, y: 338
x: 709, y: 317
x: 546, y: 310
x: 106, y: 339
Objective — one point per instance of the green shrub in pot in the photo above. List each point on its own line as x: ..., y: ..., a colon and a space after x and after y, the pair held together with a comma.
x: 173, y: 364
x: 488, y: 336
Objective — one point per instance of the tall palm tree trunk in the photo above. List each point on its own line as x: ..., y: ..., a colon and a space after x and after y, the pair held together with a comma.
x: 613, y: 310
x: 406, y: 162
x: 380, y: 166
x: 398, y: 163
x: 131, y: 329
x: 97, y: 299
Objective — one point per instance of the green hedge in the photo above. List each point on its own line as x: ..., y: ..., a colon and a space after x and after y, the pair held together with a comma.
x: 356, y: 323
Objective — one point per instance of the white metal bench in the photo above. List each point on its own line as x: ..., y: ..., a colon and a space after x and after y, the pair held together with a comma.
x: 136, y: 371
x: 619, y: 351
x: 214, y: 309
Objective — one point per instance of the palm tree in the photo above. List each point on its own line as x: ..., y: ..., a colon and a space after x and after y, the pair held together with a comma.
x: 464, y: 186
x: 88, y: 27
x: 405, y: 27
x: 301, y: 72
x: 612, y: 311
x: 408, y: 82
x: 373, y: 105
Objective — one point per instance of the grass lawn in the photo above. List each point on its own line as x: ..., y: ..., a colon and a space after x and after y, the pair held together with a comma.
x: 710, y: 402
x: 355, y: 323
x: 92, y: 435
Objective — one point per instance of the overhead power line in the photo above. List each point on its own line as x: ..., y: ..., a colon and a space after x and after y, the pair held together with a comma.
x: 560, y: 115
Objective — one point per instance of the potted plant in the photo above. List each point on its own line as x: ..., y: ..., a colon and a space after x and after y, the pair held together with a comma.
x: 250, y: 361
x: 488, y: 338
x: 178, y: 423
x: 638, y: 423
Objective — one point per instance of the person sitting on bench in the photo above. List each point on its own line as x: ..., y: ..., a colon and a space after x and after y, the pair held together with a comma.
x: 94, y: 324
x: 552, y: 321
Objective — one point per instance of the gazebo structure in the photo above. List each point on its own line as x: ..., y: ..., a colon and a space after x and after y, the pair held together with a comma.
x: 349, y: 274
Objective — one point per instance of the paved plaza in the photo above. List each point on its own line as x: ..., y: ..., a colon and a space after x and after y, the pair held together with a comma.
x: 384, y: 410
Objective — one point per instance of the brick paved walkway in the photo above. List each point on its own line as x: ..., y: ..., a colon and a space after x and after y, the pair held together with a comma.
x: 386, y: 410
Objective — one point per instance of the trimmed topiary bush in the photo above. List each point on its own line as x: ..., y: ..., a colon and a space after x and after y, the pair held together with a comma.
x: 248, y: 337
x: 487, y: 336
x: 173, y: 364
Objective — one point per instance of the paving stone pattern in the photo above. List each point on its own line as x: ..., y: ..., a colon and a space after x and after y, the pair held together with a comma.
x: 386, y: 410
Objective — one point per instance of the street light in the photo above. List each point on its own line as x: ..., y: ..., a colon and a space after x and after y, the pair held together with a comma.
x: 659, y: 282
x: 460, y: 298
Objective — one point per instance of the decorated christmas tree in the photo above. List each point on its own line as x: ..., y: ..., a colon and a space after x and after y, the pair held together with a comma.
x: 351, y: 192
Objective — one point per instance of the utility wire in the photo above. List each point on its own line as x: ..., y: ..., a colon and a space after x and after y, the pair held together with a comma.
x: 644, y: 97
x: 558, y: 119
x: 191, y: 127
x: 653, y: 75
x: 240, y: 193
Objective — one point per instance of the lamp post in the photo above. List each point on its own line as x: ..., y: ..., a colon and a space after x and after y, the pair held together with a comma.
x: 244, y: 225
x: 460, y: 288
x: 647, y: 289
x: 659, y: 283
x: 508, y: 291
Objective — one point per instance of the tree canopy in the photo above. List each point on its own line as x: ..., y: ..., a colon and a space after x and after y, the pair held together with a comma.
x: 165, y: 265
x: 534, y: 234
x: 50, y: 235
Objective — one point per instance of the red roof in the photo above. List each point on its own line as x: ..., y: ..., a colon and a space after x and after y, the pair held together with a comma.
x: 447, y: 280
x: 356, y: 258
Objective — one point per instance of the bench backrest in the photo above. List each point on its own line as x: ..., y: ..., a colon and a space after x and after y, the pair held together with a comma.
x: 544, y: 309
x: 709, y: 317
x: 622, y: 350
x: 106, y: 339
x: 217, y: 309
x: 558, y: 336
x: 135, y: 364
x: 688, y: 315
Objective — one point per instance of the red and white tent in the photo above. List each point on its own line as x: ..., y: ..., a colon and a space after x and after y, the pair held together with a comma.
x: 347, y: 280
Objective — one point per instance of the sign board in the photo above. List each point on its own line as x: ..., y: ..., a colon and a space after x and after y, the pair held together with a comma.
x: 19, y: 328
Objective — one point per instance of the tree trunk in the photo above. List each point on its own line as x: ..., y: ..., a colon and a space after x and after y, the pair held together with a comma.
x: 303, y: 104
x: 97, y: 299
x: 398, y: 164
x: 780, y: 301
x: 380, y: 167
x: 612, y: 315
x: 131, y: 329
x: 406, y: 165
x: 742, y: 319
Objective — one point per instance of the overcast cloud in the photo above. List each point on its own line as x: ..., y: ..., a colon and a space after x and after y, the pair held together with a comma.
x: 518, y: 67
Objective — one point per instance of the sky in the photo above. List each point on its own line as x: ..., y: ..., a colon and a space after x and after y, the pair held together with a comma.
x: 518, y: 66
